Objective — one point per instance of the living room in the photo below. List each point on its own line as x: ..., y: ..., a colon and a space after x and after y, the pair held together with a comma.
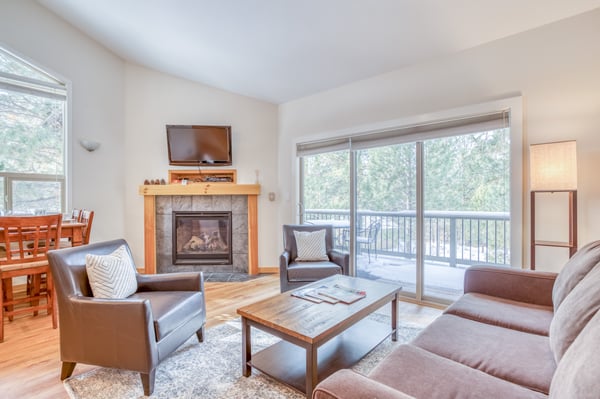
x: 551, y: 69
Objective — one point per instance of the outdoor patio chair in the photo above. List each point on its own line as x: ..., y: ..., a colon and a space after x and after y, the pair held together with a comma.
x: 368, y: 237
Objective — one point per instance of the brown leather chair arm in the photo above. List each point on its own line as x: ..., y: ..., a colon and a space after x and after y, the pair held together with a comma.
x: 284, y: 261
x: 348, y: 384
x: 108, y: 332
x: 516, y: 284
x: 171, y: 282
x: 342, y: 259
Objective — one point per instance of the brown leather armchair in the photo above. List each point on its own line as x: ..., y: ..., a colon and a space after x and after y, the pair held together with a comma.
x: 134, y: 333
x: 294, y: 274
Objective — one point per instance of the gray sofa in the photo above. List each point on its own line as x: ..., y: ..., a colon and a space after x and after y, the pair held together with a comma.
x: 513, y: 334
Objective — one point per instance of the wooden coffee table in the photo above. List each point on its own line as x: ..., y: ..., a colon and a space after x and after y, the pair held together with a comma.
x: 317, y: 338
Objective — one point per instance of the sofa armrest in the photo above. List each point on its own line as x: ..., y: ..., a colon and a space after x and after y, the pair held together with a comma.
x: 171, y: 282
x: 516, y: 284
x: 348, y: 384
x: 342, y: 259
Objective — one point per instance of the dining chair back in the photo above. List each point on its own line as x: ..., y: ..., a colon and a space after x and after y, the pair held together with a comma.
x: 25, y: 241
x: 76, y: 214
x: 87, y: 217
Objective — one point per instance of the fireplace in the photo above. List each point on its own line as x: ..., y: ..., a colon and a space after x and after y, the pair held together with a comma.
x: 202, y: 238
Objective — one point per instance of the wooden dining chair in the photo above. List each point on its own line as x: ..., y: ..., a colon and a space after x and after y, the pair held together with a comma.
x: 21, y: 259
x: 87, y: 217
x: 76, y: 215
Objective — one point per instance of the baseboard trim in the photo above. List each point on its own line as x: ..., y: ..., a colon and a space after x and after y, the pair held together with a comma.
x: 268, y: 270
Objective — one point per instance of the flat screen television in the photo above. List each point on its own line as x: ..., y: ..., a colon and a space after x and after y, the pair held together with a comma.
x: 195, y: 145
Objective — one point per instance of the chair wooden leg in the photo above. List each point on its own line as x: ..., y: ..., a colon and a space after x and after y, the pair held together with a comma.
x: 67, y: 370
x: 1, y: 310
x: 200, y: 334
x: 35, y: 290
x: 8, y: 295
x: 148, y: 382
x: 51, y: 298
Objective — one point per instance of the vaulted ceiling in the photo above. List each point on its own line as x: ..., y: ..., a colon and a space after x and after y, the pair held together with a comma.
x: 281, y: 50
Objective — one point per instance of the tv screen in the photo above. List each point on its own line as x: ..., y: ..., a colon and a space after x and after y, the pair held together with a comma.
x: 195, y: 145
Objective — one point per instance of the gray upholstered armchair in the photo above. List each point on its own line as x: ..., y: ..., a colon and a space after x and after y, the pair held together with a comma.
x: 293, y: 274
x: 134, y: 333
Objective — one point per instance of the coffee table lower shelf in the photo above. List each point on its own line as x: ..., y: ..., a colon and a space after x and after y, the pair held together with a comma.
x: 286, y: 362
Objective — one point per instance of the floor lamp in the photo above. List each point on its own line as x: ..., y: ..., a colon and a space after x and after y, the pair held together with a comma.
x: 553, y: 168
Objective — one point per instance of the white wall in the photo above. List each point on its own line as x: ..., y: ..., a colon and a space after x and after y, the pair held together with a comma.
x: 154, y: 100
x: 555, y: 68
x: 96, y: 80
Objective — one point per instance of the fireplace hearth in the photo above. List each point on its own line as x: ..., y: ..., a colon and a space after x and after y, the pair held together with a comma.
x: 202, y: 238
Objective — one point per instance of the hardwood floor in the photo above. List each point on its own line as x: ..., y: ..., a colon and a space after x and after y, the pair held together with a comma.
x: 29, y: 355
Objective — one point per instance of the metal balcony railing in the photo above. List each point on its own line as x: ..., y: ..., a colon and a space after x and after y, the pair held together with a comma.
x: 456, y: 238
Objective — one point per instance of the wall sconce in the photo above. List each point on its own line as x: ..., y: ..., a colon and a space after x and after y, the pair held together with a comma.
x: 553, y: 168
x: 89, y: 145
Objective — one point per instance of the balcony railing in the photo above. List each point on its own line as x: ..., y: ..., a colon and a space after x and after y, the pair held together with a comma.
x: 456, y: 238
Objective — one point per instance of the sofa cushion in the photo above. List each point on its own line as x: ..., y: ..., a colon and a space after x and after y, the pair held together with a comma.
x: 112, y: 275
x: 522, y: 358
x: 312, y: 271
x: 423, y: 374
x: 574, y: 313
x: 501, y: 312
x: 577, y: 373
x: 171, y: 309
x: 574, y: 271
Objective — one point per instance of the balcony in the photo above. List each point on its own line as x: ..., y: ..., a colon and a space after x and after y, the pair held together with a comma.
x: 453, y: 241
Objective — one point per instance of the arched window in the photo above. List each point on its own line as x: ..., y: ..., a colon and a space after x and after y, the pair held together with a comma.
x: 32, y: 135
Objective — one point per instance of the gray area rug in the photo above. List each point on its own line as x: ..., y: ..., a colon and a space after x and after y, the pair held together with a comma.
x: 211, y: 369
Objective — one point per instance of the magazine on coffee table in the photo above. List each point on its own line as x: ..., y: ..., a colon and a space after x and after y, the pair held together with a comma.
x: 311, y: 294
x: 343, y: 294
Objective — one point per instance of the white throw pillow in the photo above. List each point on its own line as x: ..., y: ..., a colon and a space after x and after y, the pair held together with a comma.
x: 311, y: 246
x: 112, y: 275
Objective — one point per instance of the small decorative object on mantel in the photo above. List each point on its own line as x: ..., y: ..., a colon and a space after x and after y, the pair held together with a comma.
x: 154, y: 182
x: 184, y: 177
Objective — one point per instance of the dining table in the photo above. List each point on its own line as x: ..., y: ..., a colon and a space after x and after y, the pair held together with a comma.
x: 71, y: 230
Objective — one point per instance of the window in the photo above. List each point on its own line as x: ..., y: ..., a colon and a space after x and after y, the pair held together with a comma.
x: 419, y: 203
x: 32, y: 133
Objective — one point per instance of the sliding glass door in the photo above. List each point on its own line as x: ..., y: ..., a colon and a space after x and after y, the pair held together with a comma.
x: 416, y: 205
x: 325, y: 193
x: 385, y: 214
x: 466, y: 199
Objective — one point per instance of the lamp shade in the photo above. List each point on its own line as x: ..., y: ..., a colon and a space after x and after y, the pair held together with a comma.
x: 553, y: 166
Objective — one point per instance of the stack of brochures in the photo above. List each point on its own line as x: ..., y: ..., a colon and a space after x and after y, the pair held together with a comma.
x: 331, y: 294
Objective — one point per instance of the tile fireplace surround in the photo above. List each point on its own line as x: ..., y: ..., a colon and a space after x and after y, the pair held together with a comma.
x: 161, y: 200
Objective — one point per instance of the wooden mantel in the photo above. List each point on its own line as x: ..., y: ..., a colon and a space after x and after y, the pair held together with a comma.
x: 150, y: 192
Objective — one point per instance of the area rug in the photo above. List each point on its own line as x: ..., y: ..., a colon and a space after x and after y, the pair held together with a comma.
x: 211, y: 370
